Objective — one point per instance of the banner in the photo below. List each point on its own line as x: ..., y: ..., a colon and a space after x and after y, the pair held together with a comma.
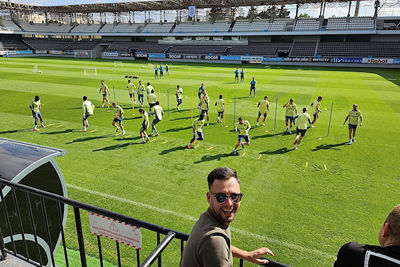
x: 230, y: 58
x: 175, y: 56
x: 109, y: 54
x: 297, y: 59
x: 23, y: 52
x: 192, y: 56
x: 141, y: 55
x: 396, y: 61
x: 192, y: 11
x: 118, y: 231
x: 83, y: 53
x: 252, y: 58
x: 321, y: 59
x: 41, y: 52
x: 211, y: 57
x: 347, y: 60
x: 56, y: 52
x: 377, y: 60
x: 276, y: 59
x: 8, y: 52
x: 124, y: 54
x: 157, y: 56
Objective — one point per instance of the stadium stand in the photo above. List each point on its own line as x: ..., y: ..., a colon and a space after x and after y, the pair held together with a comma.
x: 107, y: 28
x: 9, y: 25
x: 83, y: 45
x: 303, y: 49
x: 260, y: 49
x: 352, y: 23
x: 198, y: 49
x: 13, y: 42
x: 144, y: 47
x: 86, y: 28
x: 46, y: 28
x: 157, y: 28
x: 359, y: 49
x: 255, y: 26
x: 221, y: 26
x: 47, y: 44
x: 125, y: 27
x: 307, y: 25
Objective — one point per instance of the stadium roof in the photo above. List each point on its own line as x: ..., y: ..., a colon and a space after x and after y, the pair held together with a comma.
x: 151, y: 5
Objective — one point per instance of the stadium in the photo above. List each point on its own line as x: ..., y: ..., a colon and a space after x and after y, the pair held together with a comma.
x: 68, y: 194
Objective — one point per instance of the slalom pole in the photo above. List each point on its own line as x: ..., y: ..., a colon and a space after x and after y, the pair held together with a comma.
x: 159, y: 99
x: 234, y: 111
x: 276, y: 111
x: 330, y: 118
x: 114, y: 92
x: 225, y: 107
x: 168, y: 101
x: 191, y: 110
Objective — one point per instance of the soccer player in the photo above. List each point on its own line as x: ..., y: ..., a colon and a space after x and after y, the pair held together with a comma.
x: 178, y: 94
x: 204, y: 107
x: 202, y: 88
x: 149, y: 88
x: 152, y: 99
x: 131, y: 88
x: 105, y: 92
x: 158, y: 113
x: 156, y: 72
x: 237, y: 75
x: 263, y: 107
x: 140, y: 92
x: 243, y: 128
x: 161, y: 71
x: 144, y: 126
x: 316, y: 104
x: 88, y: 110
x: 353, y: 117
x: 242, y: 76
x: 35, y: 107
x: 197, y: 130
x: 166, y: 69
x: 253, y: 87
x: 291, y: 112
x: 220, y: 104
x: 301, y: 129
x: 118, y: 117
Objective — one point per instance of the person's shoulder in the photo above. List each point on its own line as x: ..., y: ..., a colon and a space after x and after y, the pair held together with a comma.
x: 350, y: 254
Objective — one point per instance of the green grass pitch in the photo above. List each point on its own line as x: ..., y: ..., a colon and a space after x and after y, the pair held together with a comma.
x: 301, y: 204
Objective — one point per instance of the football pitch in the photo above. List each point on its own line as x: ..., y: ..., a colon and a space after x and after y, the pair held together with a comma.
x: 302, y: 204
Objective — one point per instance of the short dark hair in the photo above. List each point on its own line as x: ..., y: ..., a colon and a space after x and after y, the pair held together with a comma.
x: 220, y: 96
x: 129, y: 81
x: 201, y: 117
x: 84, y: 98
x: 141, y: 110
x: 157, y: 103
x: 221, y: 173
x: 37, y: 98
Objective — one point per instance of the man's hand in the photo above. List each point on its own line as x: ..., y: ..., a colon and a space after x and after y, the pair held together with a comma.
x: 254, y: 256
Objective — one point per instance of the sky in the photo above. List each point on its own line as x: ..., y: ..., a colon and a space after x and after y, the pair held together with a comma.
x: 389, y: 7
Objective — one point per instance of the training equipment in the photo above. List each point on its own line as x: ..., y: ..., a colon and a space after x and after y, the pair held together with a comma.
x: 131, y: 77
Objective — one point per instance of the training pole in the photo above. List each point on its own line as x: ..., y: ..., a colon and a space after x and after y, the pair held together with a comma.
x: 114, y: 92
x: 191, y: 110
x: 226, y: 97
x: 276, y: 111
x: 234, y: 111
x: 330, y: 118
x: 168, y: 101
x: 159, y: 99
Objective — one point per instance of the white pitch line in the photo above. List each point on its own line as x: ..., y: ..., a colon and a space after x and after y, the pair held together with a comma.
x: 193, y: 219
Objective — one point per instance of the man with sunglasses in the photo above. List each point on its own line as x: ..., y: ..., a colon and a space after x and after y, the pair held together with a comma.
x: 209, y: 243
x: 386, y: 255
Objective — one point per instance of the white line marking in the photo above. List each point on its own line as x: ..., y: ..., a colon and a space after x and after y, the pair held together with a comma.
x: 193, y: 219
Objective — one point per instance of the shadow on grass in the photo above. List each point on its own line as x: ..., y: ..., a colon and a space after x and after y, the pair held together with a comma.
x: 128, y: 138
x: 132, y: 118
x: 181, y: 118
x: 62, y: 132
x: 267, y: 135
x: 329, y: 146
x: 173, y: 149
x: 174, y: 110
x: 90, y: 138
x: 177, y: 129
x: 114, y: 147
x: 282, y: 150
x: 17, y: 131
x: 214, y: 157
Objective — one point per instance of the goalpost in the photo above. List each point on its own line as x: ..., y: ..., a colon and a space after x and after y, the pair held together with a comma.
x: 87, y: 71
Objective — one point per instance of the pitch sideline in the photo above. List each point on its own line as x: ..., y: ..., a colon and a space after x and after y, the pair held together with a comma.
x: 191, y: 218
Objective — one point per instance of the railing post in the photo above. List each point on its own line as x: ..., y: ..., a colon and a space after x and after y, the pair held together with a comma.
x: 2, y: 247
x: 80, y: 236
x: 156, y: 253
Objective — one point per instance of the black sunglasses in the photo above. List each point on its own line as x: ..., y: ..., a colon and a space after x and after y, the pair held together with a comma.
x: 221, y: 197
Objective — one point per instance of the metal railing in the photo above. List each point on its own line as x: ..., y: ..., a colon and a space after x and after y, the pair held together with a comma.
x: 25, y: 194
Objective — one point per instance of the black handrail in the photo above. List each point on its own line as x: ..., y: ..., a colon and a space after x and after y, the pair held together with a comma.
x: 158, y: 250
x: 100, y: 211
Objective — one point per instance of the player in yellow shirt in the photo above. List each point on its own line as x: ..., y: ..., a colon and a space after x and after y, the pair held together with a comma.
x: 149, y: 88
x: 144, y: 126
x: 118, y: 117
x: 316, y: 105
x: 35, y: 107
x: 291, y: 112
x: 263, y: 107
x: 105, y: 92
x: 88, y: 110
x: 152, y: 99
x: 220, y: 104
x: 204, y: 107
x: 353, y: 117
x: 131, y: 89
x: 158, y: 113
x: 197, y: 130
x: 302, y: 120
x: 178, y: 94
x: 243, y: 128
x: 140, y: 93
